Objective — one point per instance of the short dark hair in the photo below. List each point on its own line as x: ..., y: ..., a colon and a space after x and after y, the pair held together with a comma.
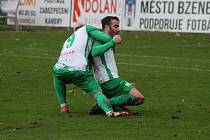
x: 107, y: 20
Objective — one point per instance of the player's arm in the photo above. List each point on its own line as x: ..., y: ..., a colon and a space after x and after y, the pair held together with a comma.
x: 97, y: 34
x: 99, y: 48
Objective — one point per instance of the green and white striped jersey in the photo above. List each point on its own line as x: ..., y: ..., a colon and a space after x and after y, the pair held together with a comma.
x: 105, y: 67
x: 77, y: 47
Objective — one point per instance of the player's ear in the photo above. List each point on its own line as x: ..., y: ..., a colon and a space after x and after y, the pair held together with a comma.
x: 107, y: 27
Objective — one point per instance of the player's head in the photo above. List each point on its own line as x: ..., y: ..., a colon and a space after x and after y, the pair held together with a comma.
x: 110, y: 24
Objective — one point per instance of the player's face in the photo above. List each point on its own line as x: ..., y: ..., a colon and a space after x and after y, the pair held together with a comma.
x: 114, y: 27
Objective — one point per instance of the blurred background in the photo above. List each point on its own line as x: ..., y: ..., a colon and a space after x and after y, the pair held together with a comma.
x: 135, y: 15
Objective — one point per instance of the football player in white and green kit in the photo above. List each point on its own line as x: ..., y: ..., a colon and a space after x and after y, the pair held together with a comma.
x: 119, y: 92
x: 72, y: 66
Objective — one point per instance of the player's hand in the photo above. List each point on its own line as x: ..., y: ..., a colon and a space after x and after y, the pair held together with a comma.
x: 117, y: 38
x: 135, y: 86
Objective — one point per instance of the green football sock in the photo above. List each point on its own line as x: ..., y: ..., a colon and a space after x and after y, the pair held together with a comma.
x: 118, y: 108
x: 60, y: 90
x: 103, y: 102
x: 122, y: 100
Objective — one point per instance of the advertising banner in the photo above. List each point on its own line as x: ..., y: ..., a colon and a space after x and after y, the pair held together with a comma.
x: 167, y: 15
x: 143, y: 15
x: 44, y: 13
x: 92, y: 11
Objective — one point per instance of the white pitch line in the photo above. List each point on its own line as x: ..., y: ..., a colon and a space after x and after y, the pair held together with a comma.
x: 162, y: 57
x: 168, y: 67
x: 120, y: 63
x: 141, y: 56
x: 26, y: 56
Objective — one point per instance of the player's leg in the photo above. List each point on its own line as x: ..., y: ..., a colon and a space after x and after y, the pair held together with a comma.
x: 122, y: 100
x: 117, y: 92
x: 60, y: 90
x: 130, y: 96
x: 87, y: 82
x: 131, y: 89
x: 62, y: 76
x: 116, y: 102
x: 121, y: 94
x: 138, y: 95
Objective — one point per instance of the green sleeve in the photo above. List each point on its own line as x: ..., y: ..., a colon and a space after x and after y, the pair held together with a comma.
x: 99, y: 48
x: 97, y: 34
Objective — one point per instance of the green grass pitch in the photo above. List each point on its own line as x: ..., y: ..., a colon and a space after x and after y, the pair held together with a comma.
x: 172, y: 70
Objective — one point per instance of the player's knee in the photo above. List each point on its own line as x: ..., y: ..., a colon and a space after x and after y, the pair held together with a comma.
x: 139, y: 100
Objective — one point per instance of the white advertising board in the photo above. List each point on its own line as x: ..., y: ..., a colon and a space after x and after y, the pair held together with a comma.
x: 147, y: 15
x: 167, y: 15
x: 44, y: 13
x: 92, y: 11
